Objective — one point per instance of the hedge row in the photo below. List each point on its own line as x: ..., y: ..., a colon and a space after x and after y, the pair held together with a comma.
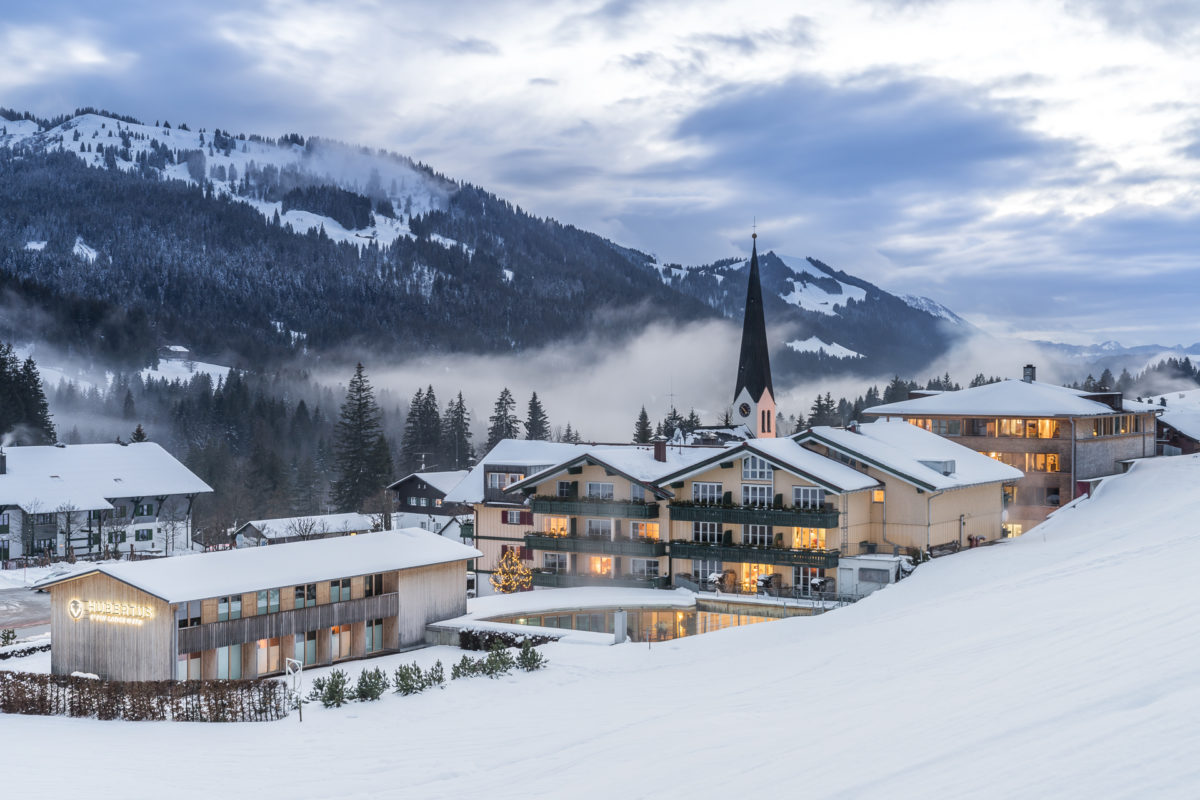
x: 181, y: 701
x: 486, y: 640
x: 21, y: 652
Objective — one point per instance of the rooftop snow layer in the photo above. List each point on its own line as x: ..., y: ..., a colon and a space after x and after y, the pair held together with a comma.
x: 442, y: 481
x: 1010, y: 398
x: 825, y: 470
x: 636, y: 461
x: 534, y: 456
x: 901, y: 448
x: 86, y: 476
x: 1182, y: 411
x: 195, y: 577
x: 318, y: 524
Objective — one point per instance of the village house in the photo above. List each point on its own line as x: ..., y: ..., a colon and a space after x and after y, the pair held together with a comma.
x: 1061, y: 439
x: 89, y: 498
x: 284, y: 530
x: 243, y: 613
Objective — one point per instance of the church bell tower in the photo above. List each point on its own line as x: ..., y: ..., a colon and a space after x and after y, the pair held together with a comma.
x: 754, y: 396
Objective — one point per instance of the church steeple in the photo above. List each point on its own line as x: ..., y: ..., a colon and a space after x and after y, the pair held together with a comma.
x: 754, y: 394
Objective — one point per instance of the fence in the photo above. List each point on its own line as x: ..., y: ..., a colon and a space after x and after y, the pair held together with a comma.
x: 180, y: 701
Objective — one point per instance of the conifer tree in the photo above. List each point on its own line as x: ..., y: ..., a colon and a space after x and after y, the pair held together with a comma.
x: 641, y: 429
x: 537, y: 426
x: 511, y: 575
x: 356, y: 446
x: 456, y: 435
x: 139, y: 434
x: 503, y: 423
x: 410, y: 444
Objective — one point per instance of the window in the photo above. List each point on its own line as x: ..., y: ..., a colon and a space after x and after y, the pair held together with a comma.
x: 304, y: 648
x: 268, y: 601
x: 766, y: 421
x: 1041, y: 462
x: 637, y: 493
x: 120, y: 511
x: 339, y: 642
x: 565, y: 489
x: 877, y: 496
x: 600, y: 565
x: 643, y: 530
x: 187, y: 667
x: 702, y: 568
x: 556, y: 526
x: 516, y: 516
x: 187, y: 615
x: 144, y: 510
x: 756, y: 535
x: 412, y: 500
x: 143, y: 535
x: 229, y: 662
x: 643, y: 567
x: 601, y: 528
x: 1012, y: 427
x: 423, y: 501
x: 706, y: 532
x: 267, y: 656
x: 437, y: 502
x: 229, y: 607
x: 92, y: 516
x: 43, y: 519
x: 983, y: 427
x: 756, y: 495
x: 600, y: 491
x: 808, y: 497
x: 706, y: 492
x: 1039, y: 496
x: 808, y: 538
x: 373, y: 585
x: 870, y: 575
x: 499, y: 480
x: 554, y: 562
x: 1047, y: 429
x: 339, y: 590
x: 4, y: 521
x: 755, y: 469
x: 116, y: 537
x: 374, y: 635
x: 306, y: 595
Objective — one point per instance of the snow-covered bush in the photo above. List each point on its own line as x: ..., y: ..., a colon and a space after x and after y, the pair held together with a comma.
x: 372, y: 683
x: 529, y: 659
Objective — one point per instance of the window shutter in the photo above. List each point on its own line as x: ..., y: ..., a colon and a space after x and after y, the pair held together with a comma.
x: 526, y: 517
x: 526, y: 554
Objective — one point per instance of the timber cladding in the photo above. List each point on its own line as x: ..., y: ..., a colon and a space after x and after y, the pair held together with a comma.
x: 103, y: 626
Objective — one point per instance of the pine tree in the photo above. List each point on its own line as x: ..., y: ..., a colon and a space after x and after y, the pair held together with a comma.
x: 410, y: 444
x: 671, y: 423
x: 357, y: 435
x: 1107, y: 382
x: 537, y: 426
x: 456, y: 435
x: 511, y: 575
x: 642, y: 432
x: 692, y: 422
x: 503, y: 423
x: 431, y: 427
x: 139, y: 434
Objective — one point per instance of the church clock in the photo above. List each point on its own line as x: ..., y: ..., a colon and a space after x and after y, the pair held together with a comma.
x: 744, y: 409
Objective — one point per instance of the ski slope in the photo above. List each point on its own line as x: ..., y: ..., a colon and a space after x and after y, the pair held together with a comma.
x: 1062, y: 664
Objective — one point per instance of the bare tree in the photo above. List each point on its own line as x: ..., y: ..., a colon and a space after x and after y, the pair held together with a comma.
x: 173, y: 520
x: 379, y: 507
x: 112, y: 523
x: 68, y: 514
x: 304, y: 528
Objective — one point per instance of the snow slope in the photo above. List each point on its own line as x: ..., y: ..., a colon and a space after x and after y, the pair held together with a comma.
x: 1036, y: 668
x: 813, y: 345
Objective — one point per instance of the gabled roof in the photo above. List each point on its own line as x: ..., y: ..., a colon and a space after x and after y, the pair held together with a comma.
x: 786, y: 455
x: 442, y: 481
x: 1010, y: 398
x: 901, y: 450
x: 1181, y: 412
x: 634, y: 462
x: 754, y: 363
x: 44, y: 479
x: 195, y: 577
x: 533, y: 456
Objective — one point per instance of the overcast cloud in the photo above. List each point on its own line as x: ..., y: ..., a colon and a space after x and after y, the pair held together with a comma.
x: 1033, y: 165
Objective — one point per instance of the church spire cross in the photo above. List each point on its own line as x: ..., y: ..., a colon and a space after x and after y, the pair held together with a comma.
x: 754, y: 364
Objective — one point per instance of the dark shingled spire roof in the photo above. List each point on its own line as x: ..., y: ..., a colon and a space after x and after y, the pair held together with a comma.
x: 754, y: 366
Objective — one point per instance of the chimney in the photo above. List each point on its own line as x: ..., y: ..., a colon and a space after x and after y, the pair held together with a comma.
x: 660, y: 449
x: 1030, y: 373
x: 3, y: 462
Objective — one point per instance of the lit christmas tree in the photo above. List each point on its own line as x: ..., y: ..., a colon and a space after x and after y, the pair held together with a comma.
x: 511, y: 575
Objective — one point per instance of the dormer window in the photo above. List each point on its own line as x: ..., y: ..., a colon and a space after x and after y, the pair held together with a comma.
x: 755, y: 469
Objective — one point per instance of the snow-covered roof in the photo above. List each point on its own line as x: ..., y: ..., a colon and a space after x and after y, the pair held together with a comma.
x: 633, y: 461
x: 1182, y: 411
x: 45, y: 478
x: 1010, y: 398
x: 442, y: 481
x: 902, y: 450
x: 787, y: 455
x: 516, y: 453
x: 195, y: 577
x: 315, y: 525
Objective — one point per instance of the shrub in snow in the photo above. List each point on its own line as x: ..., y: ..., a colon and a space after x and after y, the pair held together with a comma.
x: 317, y: 690
x: 529, y: 659
x: 372, y: 683
x: 485, y: 640
x: 466, y: 668
x: 409, y: 679
x: 436, y: 675
x: 498, y: 662
x: 7, y: 636
x: 334, y: 692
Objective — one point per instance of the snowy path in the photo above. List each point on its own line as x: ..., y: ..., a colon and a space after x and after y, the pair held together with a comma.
x: 1023, y: 670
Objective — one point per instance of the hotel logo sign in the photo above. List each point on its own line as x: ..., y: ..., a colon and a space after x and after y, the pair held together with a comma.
x: 109, y: 611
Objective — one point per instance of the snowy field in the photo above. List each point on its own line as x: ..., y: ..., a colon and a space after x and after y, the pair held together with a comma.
x: 1062, y: 664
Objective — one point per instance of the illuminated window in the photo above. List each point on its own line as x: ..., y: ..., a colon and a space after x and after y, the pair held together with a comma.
x: 339, y: 642
x: 556, y: 526
x: 706, y: 492
x: 643, y: 530
x: 267, y: 656
x: 811, y: 538
x: 1047, y: 429
x: 599, y: 565
x: 877, y: 495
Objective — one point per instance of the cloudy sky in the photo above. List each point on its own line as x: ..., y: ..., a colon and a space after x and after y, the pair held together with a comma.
x: 1032, y: 165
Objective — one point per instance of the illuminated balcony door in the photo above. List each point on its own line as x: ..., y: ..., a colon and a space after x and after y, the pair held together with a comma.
x: 600, y: 565
x: 808, y: 538
x: 751, y: 575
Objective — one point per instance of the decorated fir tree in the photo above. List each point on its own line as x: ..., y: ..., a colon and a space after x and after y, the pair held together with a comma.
x: 511, y: 575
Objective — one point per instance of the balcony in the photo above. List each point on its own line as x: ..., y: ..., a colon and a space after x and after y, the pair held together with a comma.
x: 593, y: 507
x: 466, y: 530
x: 641, y: 548
x: 755, y: 515
x: 565, y: 580
x: 749, y: 554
